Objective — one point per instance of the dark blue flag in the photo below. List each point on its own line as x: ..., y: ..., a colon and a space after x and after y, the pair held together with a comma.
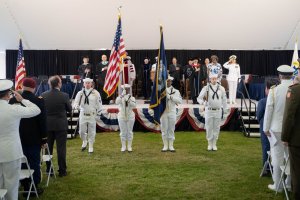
x: 158, y: 95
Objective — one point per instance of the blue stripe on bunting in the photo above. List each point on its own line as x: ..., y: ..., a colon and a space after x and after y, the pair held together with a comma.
x: 198, y: 116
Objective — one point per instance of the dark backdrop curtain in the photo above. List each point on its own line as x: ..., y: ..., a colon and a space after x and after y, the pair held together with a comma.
x: 66, y: 62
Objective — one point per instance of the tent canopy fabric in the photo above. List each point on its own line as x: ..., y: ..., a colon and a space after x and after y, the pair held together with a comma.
x: 189, y: 24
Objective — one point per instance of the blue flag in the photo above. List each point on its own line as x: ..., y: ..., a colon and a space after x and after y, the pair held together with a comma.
x: 158, y: 95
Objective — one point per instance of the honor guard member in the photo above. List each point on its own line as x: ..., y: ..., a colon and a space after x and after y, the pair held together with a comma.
x: 168, y: 119
x: 233, y: 75
x: 291, y: 135
x: 10, y: 143
x: 126, y: 117
x: 273, y: 123
x: 214, y: 97
x: 215, y: 67
x: 88, y: 100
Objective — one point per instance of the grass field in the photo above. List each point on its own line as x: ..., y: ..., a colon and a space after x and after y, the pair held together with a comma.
x: 191, y: 173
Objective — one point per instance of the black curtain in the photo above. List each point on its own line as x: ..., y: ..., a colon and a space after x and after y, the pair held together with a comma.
x: 66, y: 62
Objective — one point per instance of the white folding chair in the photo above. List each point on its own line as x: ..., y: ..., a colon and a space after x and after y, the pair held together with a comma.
x: 47, y: 157
x: 27, y: 173
x: 266, y: 165
x: 285, y: 171
x: 2, y: 193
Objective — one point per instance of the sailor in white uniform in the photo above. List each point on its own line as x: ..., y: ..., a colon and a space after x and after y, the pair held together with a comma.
x: 213, y: 95
x: 88, y: 100
x: 126, y: 117
x: 273, y: 123
x: 233, y: 75
x: 168, y: 119
x: 10, y: 143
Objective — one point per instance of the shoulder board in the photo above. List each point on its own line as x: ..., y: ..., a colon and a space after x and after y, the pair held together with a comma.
x: 40, y: 97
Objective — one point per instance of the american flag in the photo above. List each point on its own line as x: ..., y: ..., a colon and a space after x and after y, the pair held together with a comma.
x: 20, y: 71
x: 117, y: 55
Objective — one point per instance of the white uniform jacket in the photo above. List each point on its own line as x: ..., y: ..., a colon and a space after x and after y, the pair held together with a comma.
x: 234, y: 71
x: 173, y: 99
x: 10, y: 116
x: 212, y: 100
x: 126, y: 105
x: 275, y: 106
x: 94, y: 104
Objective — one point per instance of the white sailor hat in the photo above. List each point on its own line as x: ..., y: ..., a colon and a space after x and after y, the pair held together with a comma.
x: 285, y: 69
x: 125, y: 86
x: 232, y: 57
x: 87, y: 80
x: 213, y: 75
x: 170, y: 78
x: 5, y: 85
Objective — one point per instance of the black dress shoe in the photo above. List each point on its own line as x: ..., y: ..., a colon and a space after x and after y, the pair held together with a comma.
x: 62, y: 174
x: 83, y: 148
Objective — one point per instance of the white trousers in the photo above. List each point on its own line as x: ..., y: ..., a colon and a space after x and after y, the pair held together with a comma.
x: 126, y: 127
x: 212, y: 124
x: 278, y: 153
x: 232, y: 90
x: 9, y: 178
x: 167, y: 125
x: 87, y: 130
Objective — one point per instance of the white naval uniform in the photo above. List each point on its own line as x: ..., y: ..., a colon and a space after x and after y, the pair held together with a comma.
x: 233, y: 75
x: 10, y: 144
x: 88, y: 113
x: 168, y: 119
x: 273, y: 123
x: 213, y: 109
x: 126, y: 116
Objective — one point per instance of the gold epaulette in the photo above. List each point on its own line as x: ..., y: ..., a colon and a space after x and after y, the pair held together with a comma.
x: 40, y: 97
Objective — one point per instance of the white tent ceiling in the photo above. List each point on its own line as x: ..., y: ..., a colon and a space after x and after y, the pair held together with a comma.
x: 188, y: 24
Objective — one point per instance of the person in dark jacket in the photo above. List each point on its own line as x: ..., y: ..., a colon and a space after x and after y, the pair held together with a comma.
x: 57, y: 105
x: 261, y: 106
x: 85, y: 70
x: 33, y: 133
x: 290, y: 135
x: 174, y: 71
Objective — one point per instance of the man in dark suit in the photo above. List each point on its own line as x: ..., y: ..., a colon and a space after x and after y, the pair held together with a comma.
x: 291, y: 136
x: 261, y: 107
x: 57, y: 105
x: 33, y: 133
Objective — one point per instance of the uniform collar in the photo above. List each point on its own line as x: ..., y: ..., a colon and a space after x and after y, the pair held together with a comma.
x: 2, y: 101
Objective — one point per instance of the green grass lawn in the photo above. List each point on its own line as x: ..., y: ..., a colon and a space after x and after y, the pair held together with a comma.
x: 191, y: 173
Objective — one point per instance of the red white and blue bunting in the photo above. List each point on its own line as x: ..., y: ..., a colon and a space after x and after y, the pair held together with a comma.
x: 108, y: 119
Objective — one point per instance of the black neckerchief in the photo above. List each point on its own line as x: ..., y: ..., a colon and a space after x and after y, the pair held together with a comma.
x: 126, y: 102
x: 86, y: 100
x: 215, y: 92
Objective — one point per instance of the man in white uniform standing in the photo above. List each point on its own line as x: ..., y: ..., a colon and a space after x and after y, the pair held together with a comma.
x: 10, y: 143
x: 214, y: 97
x: 89, y: 102
x: 273, y: 123
x: 233, y: 75
x: 126, y: 117
x: 168, y: 119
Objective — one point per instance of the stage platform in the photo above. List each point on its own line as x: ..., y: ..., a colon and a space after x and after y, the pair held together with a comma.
x: 188, y: 115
